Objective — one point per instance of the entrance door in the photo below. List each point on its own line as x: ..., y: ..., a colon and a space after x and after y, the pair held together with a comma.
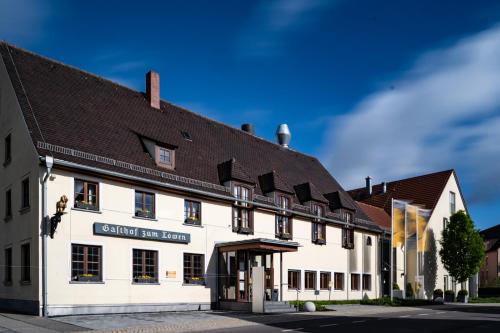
x: 265, y: 260
x: 243, y: 277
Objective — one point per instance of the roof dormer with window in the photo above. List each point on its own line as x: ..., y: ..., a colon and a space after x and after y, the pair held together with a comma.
x: 162, y: 153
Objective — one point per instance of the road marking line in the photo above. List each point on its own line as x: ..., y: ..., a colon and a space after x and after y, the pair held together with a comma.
x: 292, y: 329
x: 423, y: 314
x: 328, y: 325
x: 404, y: 316
x: 441, y: 312
x: 358, y: 321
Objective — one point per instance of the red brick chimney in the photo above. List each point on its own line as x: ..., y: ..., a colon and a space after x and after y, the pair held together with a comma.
x: 153, y: 89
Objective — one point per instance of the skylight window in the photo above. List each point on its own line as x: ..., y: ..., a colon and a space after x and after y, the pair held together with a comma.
x: 186, y: 136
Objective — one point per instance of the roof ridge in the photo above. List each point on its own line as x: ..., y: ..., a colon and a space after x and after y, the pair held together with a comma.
x: 409, y: 178
x: 68, y: 66
x: 161, y: 100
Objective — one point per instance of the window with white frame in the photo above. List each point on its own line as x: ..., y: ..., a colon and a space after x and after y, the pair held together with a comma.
x: 453, y: 207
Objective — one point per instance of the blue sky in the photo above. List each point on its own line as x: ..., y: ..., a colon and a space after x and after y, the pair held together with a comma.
x: 388, y: 89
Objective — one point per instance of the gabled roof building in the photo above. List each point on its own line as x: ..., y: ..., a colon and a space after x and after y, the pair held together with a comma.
x: 152, y: 207
x: 438, y: 192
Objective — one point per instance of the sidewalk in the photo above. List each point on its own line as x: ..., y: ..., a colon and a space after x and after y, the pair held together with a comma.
x: 31, y: 324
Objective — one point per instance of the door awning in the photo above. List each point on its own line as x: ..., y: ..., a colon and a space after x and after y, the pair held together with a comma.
x: 259, y: 244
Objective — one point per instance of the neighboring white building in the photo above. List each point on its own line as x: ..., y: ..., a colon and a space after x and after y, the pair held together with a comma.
x: 165, y: 210
x: 439, y: 192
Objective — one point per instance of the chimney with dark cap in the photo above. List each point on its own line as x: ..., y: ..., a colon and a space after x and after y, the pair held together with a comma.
x: 153, y: 89
x: 369, y: 185
x: 249, y: 128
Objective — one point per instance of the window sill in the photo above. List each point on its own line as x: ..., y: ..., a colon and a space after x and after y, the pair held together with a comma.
x: 193, y: 285
x: 86, y: 282
x: 86, y: 210
x: 193, y: 225
x: 146, y: 283
x: 25, y: 283
x: 7, y: 218
x: 144, y: 218
x: 24, y: 210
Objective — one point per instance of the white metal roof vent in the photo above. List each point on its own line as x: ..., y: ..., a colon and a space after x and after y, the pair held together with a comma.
x: 283, y: 135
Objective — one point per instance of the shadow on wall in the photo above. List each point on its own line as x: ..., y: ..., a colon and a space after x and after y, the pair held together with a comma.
x: 430, y: 264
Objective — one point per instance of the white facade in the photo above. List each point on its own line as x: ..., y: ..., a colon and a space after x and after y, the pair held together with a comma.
x: 441, y: 213
x: 116, y: 291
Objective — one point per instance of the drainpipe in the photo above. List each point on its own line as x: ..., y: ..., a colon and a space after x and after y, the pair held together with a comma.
x: 49, y: 162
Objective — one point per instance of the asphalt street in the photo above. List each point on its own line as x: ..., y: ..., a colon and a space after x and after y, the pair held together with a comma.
x: 438, y: 319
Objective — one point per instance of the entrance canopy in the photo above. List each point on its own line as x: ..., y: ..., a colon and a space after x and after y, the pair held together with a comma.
x: 259, y: 244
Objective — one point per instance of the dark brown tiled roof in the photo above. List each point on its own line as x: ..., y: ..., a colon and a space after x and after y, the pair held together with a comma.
x: 69, y: 108
x: 377, y: 215
x: 421, y: 190
x: 271, y: 181
x: 309, y: 192
x: 233, y: 170
x: 340, y: 200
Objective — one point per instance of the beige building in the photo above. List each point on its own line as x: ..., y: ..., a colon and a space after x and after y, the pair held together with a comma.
x: 113, y: 200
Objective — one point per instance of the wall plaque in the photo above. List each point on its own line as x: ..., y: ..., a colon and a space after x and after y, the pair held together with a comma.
x: 113, y: 230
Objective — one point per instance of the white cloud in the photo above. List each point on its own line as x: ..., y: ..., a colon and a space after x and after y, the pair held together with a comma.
x: 272, y: 20
x: 444, y: 113
x: 22, y: 21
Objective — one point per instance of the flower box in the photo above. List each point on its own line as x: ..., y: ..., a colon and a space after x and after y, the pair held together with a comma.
x: 87, y: 278
x: 145, y: 214
x: 192, y: 220
x: 144, y: 279
x: 245, y: 230
x: 85, y: 205
x: 285, y: 236
x: 197, y: 281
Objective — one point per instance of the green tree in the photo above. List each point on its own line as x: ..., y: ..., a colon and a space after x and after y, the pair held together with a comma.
x: 462, y: 247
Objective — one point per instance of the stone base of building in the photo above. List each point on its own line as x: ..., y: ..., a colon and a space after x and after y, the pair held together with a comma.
x: 235, y: 306
x: 20, y: 306
x: 87, y: 309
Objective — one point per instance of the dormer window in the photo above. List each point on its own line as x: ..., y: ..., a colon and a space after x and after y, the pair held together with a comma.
x: 283, y: 218
x: 318, y: 226
x: 165, y: 157
x: 347, y: 216
x: 242, y: 217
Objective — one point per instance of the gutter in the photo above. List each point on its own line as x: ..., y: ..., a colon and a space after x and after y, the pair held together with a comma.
x: 77, y: 166
x: 49, y: 162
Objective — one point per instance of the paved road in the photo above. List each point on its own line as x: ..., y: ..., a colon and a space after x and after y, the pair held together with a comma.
x: 446, y: 318
x: 437, y: 319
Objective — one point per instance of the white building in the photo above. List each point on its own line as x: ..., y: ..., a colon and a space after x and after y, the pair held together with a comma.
x: 165, y: 209
x: 438, y: 192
